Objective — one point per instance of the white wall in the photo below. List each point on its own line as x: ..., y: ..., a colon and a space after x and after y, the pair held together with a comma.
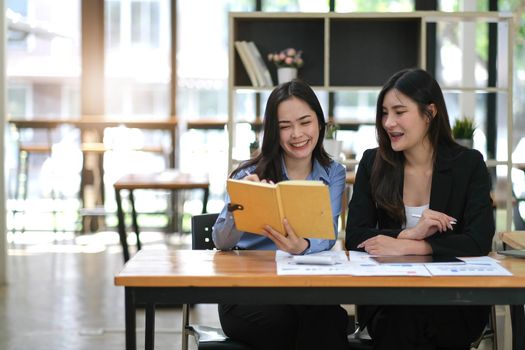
x: 3, y: 228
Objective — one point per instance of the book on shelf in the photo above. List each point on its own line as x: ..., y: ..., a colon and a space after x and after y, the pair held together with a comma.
x: 305, y: 204
x: 242, y: 50
x: 261, y: 70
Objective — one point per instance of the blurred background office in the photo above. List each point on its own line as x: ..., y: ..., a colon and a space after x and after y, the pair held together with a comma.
x: 44, y: 78
x: 71, y: 61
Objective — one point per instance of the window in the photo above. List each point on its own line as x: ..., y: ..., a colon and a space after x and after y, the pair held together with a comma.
x: 146, y: 23
x: 43, y: 69
x: 138, y: 58
x: 113, y: 24
x: 374, y: 6
x: 202, y: 86
x: 43, y: 56
x: 295, y: 6
x: 18, y: 95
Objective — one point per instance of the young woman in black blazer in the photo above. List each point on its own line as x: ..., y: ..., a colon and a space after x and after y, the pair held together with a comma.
x: 420, y: 193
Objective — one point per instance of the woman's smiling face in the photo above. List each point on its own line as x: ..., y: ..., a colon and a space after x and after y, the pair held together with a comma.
x: 403, y: 122
x: 298, y: 128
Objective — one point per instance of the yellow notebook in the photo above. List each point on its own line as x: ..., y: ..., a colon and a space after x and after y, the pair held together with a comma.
x: 305, y: 204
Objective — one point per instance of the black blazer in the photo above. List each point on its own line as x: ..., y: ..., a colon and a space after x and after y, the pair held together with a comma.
x: 460, y: 188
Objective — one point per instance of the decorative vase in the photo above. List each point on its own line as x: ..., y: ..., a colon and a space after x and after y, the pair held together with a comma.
x: 285, y: 74
x: 469, y: 143
x: 333, y: 148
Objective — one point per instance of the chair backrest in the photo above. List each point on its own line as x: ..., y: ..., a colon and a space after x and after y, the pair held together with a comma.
x: 518, y: 194
x: 201, y: 228
x: 519, y: 221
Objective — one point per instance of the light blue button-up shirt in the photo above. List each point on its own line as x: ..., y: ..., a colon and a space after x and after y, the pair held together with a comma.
x: 226, y: 236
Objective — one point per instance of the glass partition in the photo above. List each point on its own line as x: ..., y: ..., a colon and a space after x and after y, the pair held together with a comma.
x: 43, y: 70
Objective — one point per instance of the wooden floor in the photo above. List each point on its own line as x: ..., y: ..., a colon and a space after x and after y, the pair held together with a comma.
x: 61, y: 295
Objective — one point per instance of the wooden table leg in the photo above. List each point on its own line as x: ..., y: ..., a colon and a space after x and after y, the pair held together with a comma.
x: 102, y: 187
x: 185, y: 323
x: 121, y: 225
x: 131, y: 340
x: 205, y: 200
x: 134, y: 220
x: 517, y: 318
x: 150, y: 327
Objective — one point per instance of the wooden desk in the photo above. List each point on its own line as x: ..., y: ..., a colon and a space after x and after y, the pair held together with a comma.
x: 96, y: 124
x: 99, y: 123
x: 514, y: 239
x: 154, y: 277
x: 37, y: 123
x: 206, y: 124
x: 167, y: 180
x: 95, y: 175
x: 213, y: 124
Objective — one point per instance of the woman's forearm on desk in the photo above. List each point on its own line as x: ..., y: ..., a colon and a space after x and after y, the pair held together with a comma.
x: 416, y: 247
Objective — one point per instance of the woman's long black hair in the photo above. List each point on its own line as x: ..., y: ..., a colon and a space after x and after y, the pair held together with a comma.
x: 268, y: 164
x: 387, y: 173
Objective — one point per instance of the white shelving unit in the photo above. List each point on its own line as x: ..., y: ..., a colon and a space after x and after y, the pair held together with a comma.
x: 359, y: 51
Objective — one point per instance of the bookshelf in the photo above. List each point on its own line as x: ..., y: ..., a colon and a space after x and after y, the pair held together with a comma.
x: 273, y: 33
x: 397, y: 39
x: 358, y: 52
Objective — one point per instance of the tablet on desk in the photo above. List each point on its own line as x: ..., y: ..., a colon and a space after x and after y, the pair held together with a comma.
x: 517, y: 253
x: 417, y: 259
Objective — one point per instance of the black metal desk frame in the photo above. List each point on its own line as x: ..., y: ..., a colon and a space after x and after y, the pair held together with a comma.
x: 150, y: 297
x: 121, y: 219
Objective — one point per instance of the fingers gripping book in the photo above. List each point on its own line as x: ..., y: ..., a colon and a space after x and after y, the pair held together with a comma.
x: 305, y: 204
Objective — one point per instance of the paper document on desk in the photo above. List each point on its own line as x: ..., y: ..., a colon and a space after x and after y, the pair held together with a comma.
x: 469, y: 269
x: 322, y: 263
x: 356, y: 255
x: 362, y: 264
x: 363, y: 268
x: 480, y: 260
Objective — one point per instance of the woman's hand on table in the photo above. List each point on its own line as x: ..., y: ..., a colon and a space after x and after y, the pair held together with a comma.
x: 386, y: 245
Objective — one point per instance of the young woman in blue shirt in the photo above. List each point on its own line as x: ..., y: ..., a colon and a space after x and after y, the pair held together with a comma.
x: 292, y: 149
x: 420, y: 193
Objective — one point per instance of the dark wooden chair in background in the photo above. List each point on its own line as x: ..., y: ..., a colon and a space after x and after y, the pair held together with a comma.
x: 41, y: 145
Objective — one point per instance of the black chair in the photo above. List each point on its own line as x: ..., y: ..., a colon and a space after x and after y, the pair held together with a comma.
x: 201, y: 227
x: 205, y: 337
x: 519, y: 221
x: 489, y: 332
x: 214, y: 338
x: 359, y: 339
x: 518, y: 198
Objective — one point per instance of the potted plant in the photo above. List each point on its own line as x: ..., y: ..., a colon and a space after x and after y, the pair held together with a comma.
x: 287, y: 62
x: 331, y: 130
x: 463, y: 131
x: 330, y: 143
x: 254, y: 148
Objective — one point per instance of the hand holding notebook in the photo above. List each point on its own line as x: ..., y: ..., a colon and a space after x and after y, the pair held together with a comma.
x: 305, y: 204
